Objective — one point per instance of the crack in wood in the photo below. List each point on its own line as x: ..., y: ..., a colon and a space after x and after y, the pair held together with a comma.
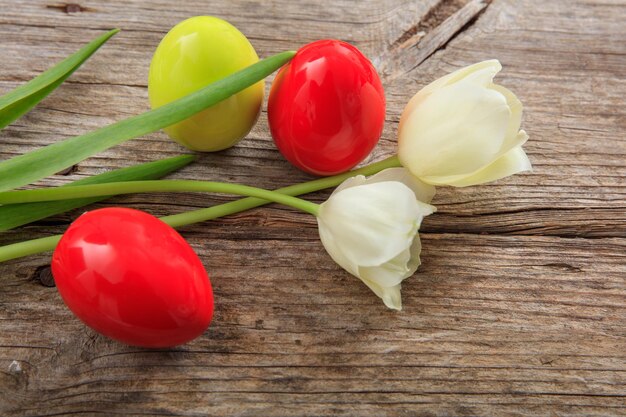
x: 564, y: 266
x: 69, y: 8
x: 433, y: 18
x: 429, y: 36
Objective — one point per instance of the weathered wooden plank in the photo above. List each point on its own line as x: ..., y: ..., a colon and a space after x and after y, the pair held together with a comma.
x: 579, y: 158
x: 516, y: 335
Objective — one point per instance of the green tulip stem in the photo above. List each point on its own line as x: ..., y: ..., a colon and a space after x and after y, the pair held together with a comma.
x: 154, y: 186
x: 31, y: 247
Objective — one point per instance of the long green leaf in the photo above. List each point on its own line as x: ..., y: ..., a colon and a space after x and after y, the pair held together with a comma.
x: 24, y: 169
x: 19, y: 214
x: 19, y: 101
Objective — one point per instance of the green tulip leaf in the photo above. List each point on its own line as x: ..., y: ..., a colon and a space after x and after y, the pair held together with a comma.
x: 15, y: 215
x: 19, y: 101
x: 24, y: 169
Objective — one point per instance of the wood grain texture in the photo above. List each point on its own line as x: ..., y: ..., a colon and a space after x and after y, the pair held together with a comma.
x: 518, y: 307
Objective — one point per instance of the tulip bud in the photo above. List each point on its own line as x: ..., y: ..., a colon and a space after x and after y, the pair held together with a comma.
x: 463, y: 129
x: 370, y: 228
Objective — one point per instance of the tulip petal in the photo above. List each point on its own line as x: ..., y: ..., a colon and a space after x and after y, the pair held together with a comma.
x: 352, y: 182
x: 358, y: 222
x: 334, y: 250
x: 415, y: 261
x: 423, y: 192
x: 492, y: 65
x: 390, y: 295
x: 396, y: 270
x: 515, y: 121
x: 455, y: 131
x: 510, y: 163
x: 451, y: 78
x: 390, y: 273
x: 373, y: 222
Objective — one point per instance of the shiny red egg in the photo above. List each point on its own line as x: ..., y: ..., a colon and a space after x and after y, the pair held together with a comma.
x: 133, y: 278
x: 326, y: 108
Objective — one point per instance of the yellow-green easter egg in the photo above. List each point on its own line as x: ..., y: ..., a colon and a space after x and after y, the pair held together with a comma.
x: 195, y: 53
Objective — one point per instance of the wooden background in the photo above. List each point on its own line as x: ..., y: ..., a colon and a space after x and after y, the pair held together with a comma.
x: 518, y: 308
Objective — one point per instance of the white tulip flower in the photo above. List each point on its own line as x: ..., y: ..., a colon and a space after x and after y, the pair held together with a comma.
x: 370, y: 228
x: 463, y: 129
